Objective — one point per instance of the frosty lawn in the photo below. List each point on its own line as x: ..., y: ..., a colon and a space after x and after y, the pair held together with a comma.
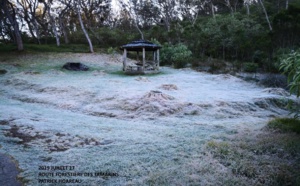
x: 147, y: 129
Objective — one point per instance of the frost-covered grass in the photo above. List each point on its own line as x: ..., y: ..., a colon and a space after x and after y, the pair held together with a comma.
x: 179, y: 127
x: 286, y: 124
x: 261, y: 158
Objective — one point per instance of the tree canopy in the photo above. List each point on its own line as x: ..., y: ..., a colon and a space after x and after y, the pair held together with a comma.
x: 233, y: 30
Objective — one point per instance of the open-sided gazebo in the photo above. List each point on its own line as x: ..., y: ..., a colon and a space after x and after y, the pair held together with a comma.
x: 143, y: 67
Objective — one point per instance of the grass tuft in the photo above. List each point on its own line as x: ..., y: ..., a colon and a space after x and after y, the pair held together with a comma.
x: 267, y: 158
x: 285, y: 125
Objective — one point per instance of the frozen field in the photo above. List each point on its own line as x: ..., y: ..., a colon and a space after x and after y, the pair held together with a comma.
x: 146, y: 129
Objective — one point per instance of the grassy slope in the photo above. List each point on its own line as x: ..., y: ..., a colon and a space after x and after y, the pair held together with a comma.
x: 266, y: 157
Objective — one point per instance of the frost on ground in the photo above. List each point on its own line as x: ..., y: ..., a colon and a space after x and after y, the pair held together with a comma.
x: 147, y: 129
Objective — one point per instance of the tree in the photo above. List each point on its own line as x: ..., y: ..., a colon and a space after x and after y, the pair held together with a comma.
x: 286, y: 27
x: 77, y: 5
x: 63, y: 19
x: 47, y: 5
x: 132, y: 10
x: 9, y: 13
x: 266, y: 14
x: 29, y: 14
x: 95, y: 13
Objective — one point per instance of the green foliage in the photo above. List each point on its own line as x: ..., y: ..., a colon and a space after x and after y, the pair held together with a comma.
x: 258, y: 56
x: 108, y: 37
x: 7, y: 47
x: 291, y: 67
x: 46, y: 48
x: 178, y: 55
x: 111, y: 50
x: 285, y: 124
x: 250, y: 67
x: 286, y: 27
x: 228, y: 37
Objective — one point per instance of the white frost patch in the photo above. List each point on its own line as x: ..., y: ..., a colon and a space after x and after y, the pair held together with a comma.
x: 102, y: 121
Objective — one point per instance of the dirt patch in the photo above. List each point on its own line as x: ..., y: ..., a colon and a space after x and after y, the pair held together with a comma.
x: 4, y: 122
x: 57, y: 142
x: 24, y: 133
x: 143, y: 79
x: 151, y: 104
x: 168, y: 87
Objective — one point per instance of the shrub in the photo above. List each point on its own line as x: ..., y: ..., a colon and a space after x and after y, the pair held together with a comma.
x: 178, y: 55
x: 250, y: 67
x: 274, y: 80
x: 258, y: 56
x: 291, y: 67
x: 111, y: 50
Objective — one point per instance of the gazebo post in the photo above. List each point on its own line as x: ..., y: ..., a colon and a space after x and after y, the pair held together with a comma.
x: 124, y: 59
x: 144, y: 58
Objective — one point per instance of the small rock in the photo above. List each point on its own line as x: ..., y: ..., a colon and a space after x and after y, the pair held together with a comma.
x: 75, y: 66
x: 3, y: 71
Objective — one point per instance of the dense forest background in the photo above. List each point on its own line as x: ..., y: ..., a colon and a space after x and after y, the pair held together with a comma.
x: 237, y: 31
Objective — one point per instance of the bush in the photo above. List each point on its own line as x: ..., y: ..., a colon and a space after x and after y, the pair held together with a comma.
x: 258, y: 56
x: 291, y: 67
x: 274, y: 80
x: 111, y: 50
x: 250, y: 67
x: 178, y: 55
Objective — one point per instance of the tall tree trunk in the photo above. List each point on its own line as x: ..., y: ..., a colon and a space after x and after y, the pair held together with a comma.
x: 286, y: 4
x: 37, y: 31
x: 64, y: 30
x: 53, y: 25
x: 83, y: 28
x: 52, y: 22
x: 212, y: 9
x: 11, y: 15
x: 138, y: 28
x: 29, y: 10
x: 229, y: 6
x: 247, y: 7
x: 266, y: 14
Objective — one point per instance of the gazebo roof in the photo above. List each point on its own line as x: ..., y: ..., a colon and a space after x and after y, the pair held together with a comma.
x: 139, y: 45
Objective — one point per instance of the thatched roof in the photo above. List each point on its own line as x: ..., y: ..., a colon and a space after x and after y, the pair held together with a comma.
x: 139, y: 45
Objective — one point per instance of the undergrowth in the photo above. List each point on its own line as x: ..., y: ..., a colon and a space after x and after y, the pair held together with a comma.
x: 78, y: 48
x: 285, y: 124
x: 268, y: 158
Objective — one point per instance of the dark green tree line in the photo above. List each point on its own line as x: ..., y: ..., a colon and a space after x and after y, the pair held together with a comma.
x: 232, y: 30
